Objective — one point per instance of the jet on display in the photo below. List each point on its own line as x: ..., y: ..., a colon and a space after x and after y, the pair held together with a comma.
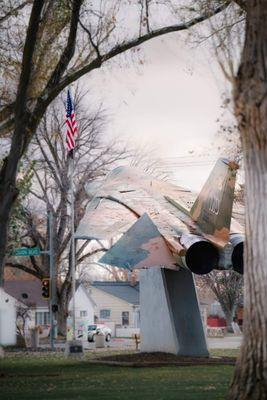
x: 161, y: 224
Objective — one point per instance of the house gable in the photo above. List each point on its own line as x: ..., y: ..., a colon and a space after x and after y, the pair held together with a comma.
x: 115, y: 305
x: 122, y: 290
x: 84, y: 304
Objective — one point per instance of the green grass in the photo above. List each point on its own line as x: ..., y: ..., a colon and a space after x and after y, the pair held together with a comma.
x: 224, y: 352
x: 52, y: 376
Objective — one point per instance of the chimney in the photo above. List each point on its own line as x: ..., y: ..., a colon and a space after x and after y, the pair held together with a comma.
x: 134, y: 277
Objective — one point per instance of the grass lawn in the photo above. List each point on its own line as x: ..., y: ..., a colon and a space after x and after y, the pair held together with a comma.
x: 52, y: 376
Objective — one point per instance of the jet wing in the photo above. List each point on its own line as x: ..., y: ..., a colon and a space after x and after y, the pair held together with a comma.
x: 104, y: 219
x: 124, y: 196
x: 127, y: 200
x: 142, y: 246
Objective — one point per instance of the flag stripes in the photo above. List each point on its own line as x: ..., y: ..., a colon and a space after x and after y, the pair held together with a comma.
x: 71, y: 124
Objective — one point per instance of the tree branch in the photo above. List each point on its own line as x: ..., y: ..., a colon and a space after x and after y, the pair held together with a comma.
x: 48, y: 96
x: 242, y: 4
x: 82, y: 258
x: 69, y: 48
x: 14, y: 11
x: 24, y: 268
x: 27, y: 59
x: 91, y: 39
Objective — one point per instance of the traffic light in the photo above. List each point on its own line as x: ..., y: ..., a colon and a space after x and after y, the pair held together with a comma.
x: 46, y: 288
x: 54, y: 308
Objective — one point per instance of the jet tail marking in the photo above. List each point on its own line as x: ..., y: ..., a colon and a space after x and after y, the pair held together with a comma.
x: 212, y: 209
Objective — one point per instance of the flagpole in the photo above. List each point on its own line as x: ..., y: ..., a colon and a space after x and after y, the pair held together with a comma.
x: 70, y: 140
x: 73, y: 275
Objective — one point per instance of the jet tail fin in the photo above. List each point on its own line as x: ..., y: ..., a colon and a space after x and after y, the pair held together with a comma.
x: 212, y: 209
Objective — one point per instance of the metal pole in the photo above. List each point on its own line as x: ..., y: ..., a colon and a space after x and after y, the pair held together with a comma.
x: 52, y: 277
x: 72, y: 247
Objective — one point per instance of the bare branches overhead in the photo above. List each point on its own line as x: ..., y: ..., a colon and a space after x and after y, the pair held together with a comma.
x: 44, y: 48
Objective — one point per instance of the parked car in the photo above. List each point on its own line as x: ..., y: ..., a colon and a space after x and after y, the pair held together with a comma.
x: 95, y: 329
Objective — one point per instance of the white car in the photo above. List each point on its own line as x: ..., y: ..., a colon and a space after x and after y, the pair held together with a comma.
x: 96, y: 328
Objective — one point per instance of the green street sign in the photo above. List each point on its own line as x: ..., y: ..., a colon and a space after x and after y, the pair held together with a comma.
x: 27, y: 251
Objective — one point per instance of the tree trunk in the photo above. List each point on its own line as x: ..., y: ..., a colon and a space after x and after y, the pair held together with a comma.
x: 23, y: 130
x: 8, y: 190
x: 63, y: 302
x: 62, y: 318
x: 250, y: 378
x: 229, y: 319
x: 8, y: 195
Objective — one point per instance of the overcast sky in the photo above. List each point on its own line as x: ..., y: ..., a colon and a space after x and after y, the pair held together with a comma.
x: 170, y: 102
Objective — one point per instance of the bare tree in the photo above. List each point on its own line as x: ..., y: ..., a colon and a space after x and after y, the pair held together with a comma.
x: 59, y: 42
x: 50, y: 192
x: 227, y: 286
x: 106, y: 272
x: 23, y: 317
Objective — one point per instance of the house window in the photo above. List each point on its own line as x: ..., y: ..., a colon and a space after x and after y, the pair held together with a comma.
x: 83, y: 313
x: 125, y: 317
x: 42, y: 318
x: 104, y: 314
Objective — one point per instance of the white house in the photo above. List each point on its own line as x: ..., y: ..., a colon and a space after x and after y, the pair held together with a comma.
x: 117, y: 305
x: 84, y: 312
x: 29, y: 294
x: 84, y: 304
x: 7, y: 319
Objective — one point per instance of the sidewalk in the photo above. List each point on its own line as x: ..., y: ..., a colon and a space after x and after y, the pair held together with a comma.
x: 227, y: 342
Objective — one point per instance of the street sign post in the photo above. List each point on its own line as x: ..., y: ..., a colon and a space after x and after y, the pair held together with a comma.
x: 27, y: 251
x: 51, y: 281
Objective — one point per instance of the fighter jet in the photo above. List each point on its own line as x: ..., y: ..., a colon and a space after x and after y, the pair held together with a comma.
x: 161, y: 224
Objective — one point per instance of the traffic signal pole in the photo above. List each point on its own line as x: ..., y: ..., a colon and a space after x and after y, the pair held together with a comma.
x: 53, y: 279
x: 48, y: 283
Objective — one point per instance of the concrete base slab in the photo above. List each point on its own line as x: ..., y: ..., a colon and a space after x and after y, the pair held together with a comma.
x: 170, y: 316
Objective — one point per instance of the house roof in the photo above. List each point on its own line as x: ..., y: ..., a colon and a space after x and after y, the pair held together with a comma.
x: 28, y: 292
x: 5, y: 297
x: 123, y: 290
x: 78, y: 285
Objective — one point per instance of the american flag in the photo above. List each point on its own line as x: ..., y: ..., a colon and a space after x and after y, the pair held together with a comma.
x: 71, y: 124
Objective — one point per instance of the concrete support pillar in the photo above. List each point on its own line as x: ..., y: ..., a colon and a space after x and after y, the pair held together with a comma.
x: 170, y: 315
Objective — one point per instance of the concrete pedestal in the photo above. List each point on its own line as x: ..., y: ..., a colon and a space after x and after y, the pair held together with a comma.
x: 100, y: 341
x: 34, y: 337
x: 170, y: 316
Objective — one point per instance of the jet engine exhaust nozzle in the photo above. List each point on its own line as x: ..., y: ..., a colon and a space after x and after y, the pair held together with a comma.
x: 201, y: 256
x: 237, y: 242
